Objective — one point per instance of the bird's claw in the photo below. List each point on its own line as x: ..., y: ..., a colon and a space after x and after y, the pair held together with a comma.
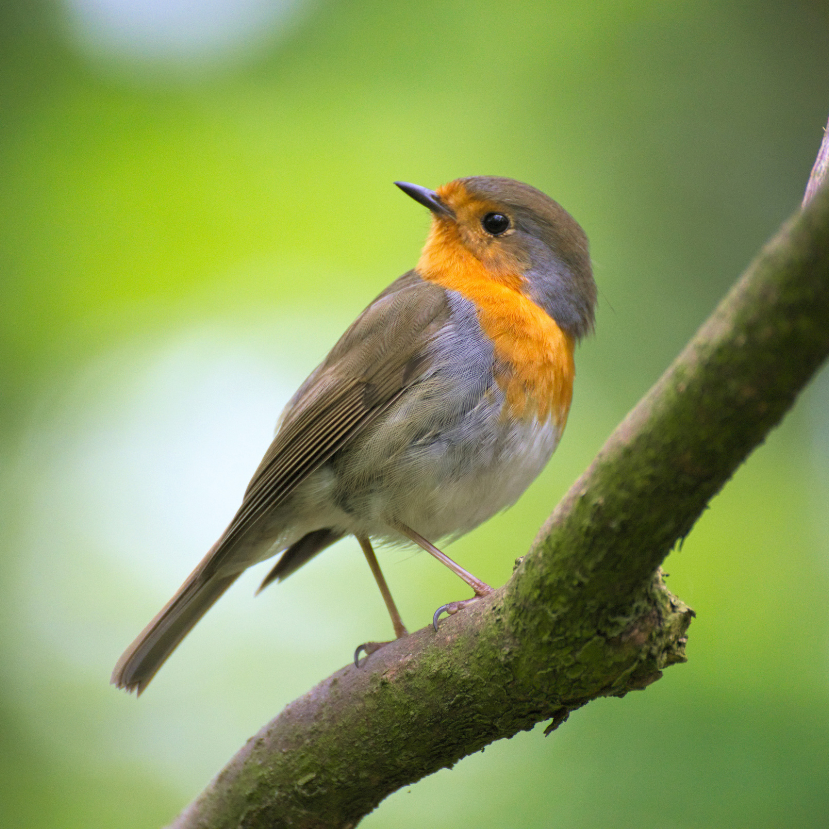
x: 368, y: 648
x: 450, y: 609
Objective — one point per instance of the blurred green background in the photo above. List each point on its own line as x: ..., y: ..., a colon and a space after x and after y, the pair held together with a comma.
x: 197, y: 198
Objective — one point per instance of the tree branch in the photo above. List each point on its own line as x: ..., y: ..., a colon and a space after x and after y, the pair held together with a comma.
x: 585, y: 613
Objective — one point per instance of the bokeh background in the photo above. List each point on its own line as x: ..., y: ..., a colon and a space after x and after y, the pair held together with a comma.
x: 196, y: 199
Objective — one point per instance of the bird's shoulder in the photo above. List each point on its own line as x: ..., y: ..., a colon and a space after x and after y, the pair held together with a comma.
x: 381, y: 353
x: 382, y: 350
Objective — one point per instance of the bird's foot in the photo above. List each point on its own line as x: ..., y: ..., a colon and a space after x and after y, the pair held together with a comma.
x: 368, y: 648
x: 453, y: 607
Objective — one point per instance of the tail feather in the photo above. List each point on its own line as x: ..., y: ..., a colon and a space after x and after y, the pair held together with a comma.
x: 142, y: 659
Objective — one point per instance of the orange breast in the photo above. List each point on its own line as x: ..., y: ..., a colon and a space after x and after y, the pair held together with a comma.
x: 534, y: 357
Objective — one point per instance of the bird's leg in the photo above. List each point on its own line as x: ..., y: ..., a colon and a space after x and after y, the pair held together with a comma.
x: 399, y: 628
x: 371, y: 558
x: 481, y: 588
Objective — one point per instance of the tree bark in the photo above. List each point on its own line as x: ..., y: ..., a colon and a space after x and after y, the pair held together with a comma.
x: 585, y: 613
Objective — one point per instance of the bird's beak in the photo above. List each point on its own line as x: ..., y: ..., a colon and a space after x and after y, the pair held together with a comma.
x: 428, y: 198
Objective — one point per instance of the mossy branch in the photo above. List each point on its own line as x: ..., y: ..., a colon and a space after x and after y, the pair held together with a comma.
x: 585, y: 614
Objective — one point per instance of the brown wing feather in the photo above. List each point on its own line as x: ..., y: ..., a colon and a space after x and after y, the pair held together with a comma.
x: 376, y: 359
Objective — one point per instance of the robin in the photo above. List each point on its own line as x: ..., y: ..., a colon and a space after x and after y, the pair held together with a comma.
x: 435, y: 410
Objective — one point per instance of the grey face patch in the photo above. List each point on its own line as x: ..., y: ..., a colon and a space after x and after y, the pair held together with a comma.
x: 559, y: 279
x: 555, y: 290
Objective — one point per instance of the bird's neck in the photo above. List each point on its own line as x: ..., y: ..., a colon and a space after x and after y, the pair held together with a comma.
x: 534, y: 363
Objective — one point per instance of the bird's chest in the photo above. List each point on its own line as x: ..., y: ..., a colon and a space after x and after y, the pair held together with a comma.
x: 489, y: 419
x: 532, y: 358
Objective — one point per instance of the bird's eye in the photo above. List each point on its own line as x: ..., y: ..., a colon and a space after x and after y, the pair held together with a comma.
x: 495, y: 223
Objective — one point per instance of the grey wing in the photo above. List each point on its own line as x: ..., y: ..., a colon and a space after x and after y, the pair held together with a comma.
x: 373, y: 363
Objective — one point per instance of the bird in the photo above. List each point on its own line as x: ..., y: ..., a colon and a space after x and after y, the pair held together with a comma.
x: 434, y: 411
